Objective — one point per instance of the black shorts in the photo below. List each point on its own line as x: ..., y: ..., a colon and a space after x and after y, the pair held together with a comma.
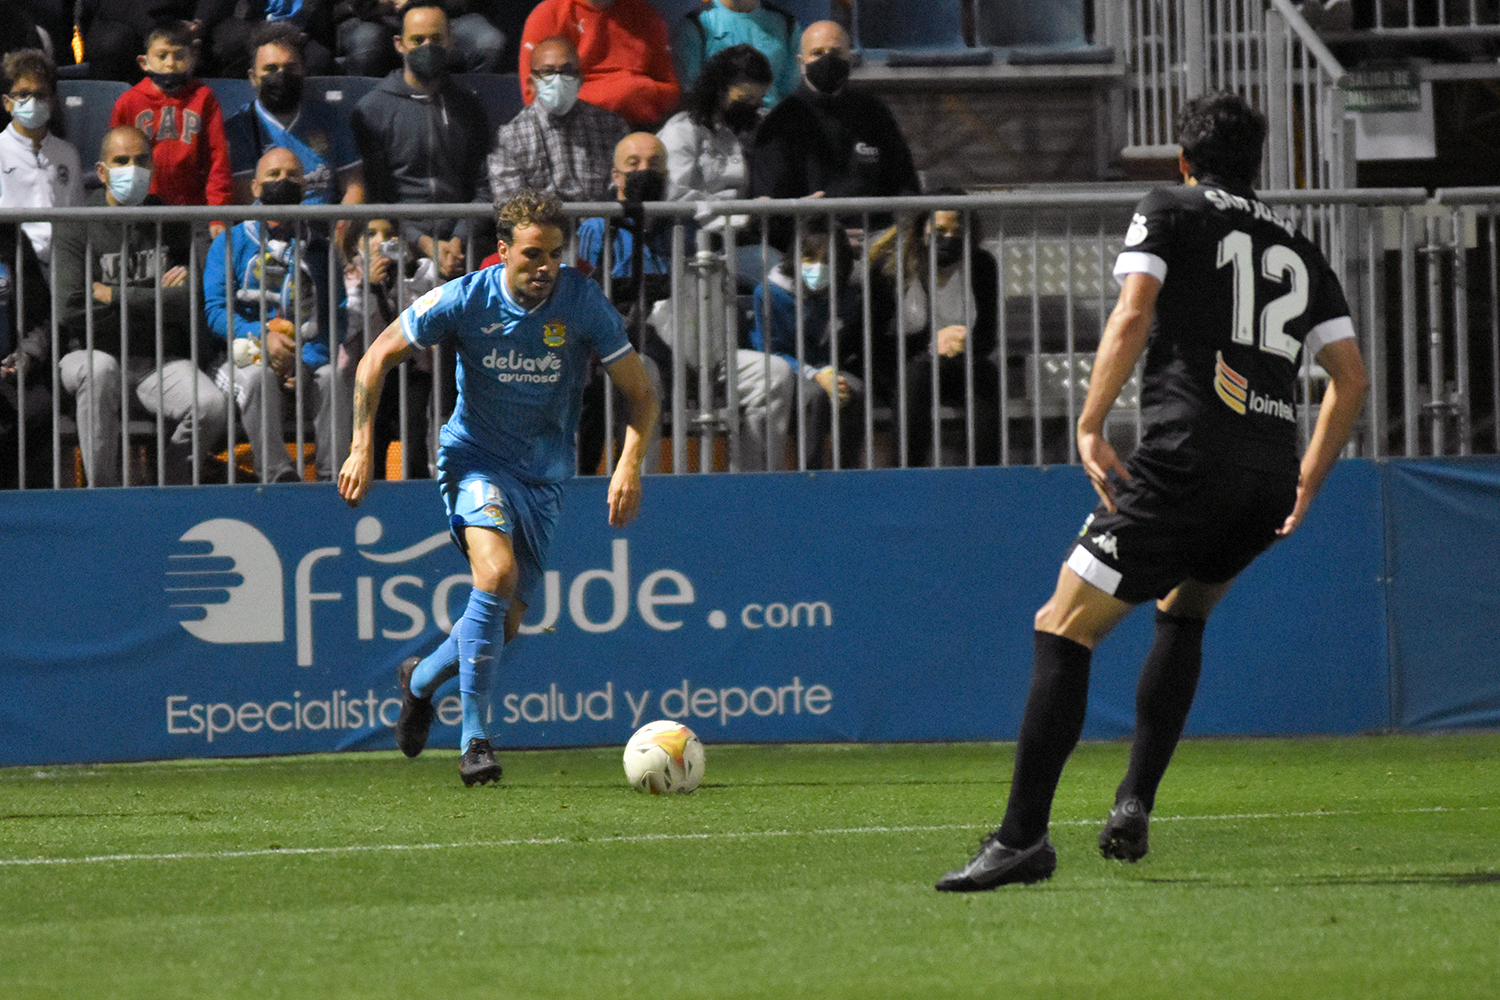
x: 1173, y: 525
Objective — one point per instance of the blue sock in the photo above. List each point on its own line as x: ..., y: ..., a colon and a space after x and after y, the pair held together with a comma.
x: 438, y: 666
x: 480, y: 636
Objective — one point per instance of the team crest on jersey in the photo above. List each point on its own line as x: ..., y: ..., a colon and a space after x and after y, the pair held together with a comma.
x: 1137, y: 231
x: 555, y: 333
x: 1232, y: 387
x: 495, y: 514
x: 427, y: 301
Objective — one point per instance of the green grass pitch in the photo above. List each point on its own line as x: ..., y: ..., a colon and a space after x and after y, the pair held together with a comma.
x: 1328, y: 868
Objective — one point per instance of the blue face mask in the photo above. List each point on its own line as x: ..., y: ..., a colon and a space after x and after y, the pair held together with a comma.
x: 815, y: 276
x: 31, y: 112
x: 129, y: 184
x: 557, y: 93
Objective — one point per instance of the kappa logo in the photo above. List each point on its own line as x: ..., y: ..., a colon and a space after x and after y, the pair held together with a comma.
x: 1107, y: 543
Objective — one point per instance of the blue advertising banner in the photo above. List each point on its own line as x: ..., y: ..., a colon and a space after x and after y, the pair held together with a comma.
x: 888, y: 605
x: 1444, y: 518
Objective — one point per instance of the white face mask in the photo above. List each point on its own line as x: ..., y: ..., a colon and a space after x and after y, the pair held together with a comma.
x: 557, y: 93
x: 815, y: 276
x: 31, y: 112
x: 129, y: 184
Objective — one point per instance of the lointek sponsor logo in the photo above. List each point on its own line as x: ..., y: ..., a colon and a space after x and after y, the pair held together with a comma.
x: 234, y: 576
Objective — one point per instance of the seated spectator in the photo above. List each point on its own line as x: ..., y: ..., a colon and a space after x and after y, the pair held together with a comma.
x: 423, y: 138
x: 557, y: 143
x: 267, y: 303
x: 960, y: 318
x: 639, y: 175
x: 826, y: 351
x: 723, y: 24
x: 705, y: 158
x: 181, y: 117
x: 278, y: 116
x: 37, y: 169
x: 828, y: 139
x: 381, y: 278
x: 623, y: 48
x: 764, y: 386
x: 108, y: 272
x: 226, y: 26
x: 25, y: 387
x: 364, y: 29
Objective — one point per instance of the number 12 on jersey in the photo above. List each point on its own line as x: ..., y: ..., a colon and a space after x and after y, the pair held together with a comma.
x: 1280, y: 264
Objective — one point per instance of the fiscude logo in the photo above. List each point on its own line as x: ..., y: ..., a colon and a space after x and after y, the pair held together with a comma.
x: 233, y: 575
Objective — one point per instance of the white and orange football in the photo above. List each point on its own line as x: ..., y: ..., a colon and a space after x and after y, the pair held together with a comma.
x: 664, y: 756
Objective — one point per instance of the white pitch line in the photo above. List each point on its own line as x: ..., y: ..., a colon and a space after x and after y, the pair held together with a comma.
x: 653, y: 837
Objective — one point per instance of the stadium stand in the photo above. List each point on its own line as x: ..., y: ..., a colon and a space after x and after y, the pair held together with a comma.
x: 86, y: 107
x: 233, y: 93
x: 500, y: 93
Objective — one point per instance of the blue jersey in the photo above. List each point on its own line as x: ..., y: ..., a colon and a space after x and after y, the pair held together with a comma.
x: 520, y: 373
x: 322, y: 140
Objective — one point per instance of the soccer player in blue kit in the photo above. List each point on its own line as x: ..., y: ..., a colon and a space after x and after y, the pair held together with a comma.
x: 1226, y: 300
x: 524, y: 330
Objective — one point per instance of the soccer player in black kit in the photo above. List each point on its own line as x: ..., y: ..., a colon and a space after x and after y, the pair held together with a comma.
x: 1226, y: 300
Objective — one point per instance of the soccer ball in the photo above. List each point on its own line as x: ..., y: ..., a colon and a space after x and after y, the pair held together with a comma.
x: 664, y: 756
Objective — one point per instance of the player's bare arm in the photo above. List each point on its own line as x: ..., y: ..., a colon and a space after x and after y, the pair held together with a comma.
x: 388, y: 350
x: 1342, y: 401
x: 1124, y: 339
x: 641, y: 412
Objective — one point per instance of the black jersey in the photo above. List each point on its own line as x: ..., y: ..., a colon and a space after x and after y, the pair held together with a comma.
x: 1243, y: 295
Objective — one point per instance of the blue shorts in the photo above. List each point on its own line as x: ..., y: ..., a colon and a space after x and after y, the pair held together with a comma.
x: 479, y: 494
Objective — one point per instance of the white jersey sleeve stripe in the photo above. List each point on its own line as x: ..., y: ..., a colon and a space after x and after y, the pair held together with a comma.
x: 617, y: 355
x: 1137, y: 262
x: 410, y: 334
x: 1326, y: 332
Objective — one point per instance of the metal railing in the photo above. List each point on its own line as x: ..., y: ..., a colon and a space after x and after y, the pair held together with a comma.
x: 1419, y: 273
x: 1263, y: 50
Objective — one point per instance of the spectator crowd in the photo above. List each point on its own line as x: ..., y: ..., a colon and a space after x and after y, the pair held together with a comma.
x: 737, y: 101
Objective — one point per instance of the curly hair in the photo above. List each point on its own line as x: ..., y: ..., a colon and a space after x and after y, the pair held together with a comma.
x: 723, y: 70
x: 1222, y: 135
x: 914, y: 250
x: 30, y: 62
x: 530, y: 208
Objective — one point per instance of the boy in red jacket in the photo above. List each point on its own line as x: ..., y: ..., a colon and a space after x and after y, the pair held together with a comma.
x: 182, y: 118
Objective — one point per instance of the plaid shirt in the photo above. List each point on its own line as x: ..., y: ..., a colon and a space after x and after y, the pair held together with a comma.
x: 570, y: 156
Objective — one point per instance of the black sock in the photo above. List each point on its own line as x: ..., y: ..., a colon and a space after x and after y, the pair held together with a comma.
x: 1049, y: 732
x: 1163, y: 697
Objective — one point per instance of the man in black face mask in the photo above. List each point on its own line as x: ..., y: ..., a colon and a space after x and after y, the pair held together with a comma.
x: 270, y: 301
x: 826, y: 139
x: 640, y: 275
x: 278, y: 116
x: 424, y: 139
